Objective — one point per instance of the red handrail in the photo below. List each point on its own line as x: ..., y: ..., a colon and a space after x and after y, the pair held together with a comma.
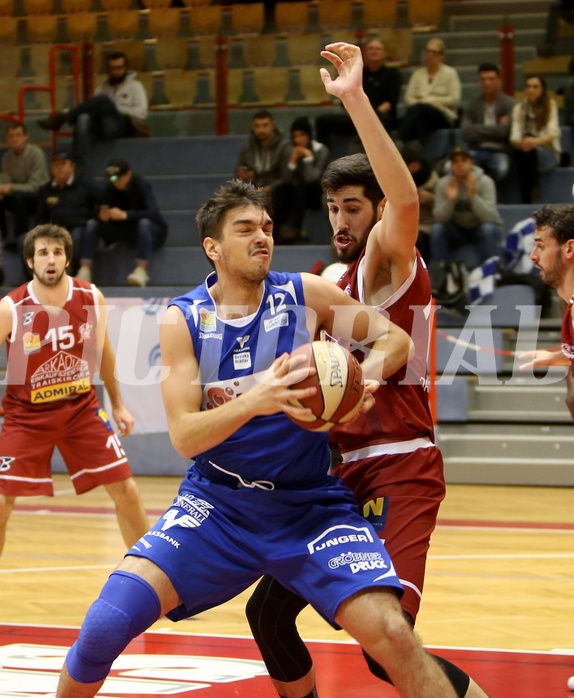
x: 9, y: 117
x: 51, y: 88
x: 507, y: 57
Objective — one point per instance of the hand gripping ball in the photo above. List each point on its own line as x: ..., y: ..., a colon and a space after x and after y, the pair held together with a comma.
x: 339, y: 383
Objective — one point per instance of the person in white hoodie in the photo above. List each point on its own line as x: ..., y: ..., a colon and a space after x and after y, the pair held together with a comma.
x: 117, y: 109
x: 465, y: 211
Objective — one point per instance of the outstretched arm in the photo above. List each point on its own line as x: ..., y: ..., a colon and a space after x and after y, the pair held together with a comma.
x: 539, y: 358
x: 395, y: 237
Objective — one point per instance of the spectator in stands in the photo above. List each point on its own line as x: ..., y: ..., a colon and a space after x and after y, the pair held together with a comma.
x: 264, y: 161
x: 465, y: 211
x: 128, y: 214
x: 24, y: 171
x: 68, y: 200
x: 382, y: 85
x: 535, y: 136
x: 485, y: 125
x: 302, y: 187
x: 426, y: 179
x: 117, y: 109
x: 432, y: 96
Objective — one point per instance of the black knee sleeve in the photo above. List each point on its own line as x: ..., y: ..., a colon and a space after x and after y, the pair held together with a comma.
x: 459, y: 680
x: 271, y: 612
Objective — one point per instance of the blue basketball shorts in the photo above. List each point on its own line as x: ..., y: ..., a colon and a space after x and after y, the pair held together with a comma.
x: 215, y: 541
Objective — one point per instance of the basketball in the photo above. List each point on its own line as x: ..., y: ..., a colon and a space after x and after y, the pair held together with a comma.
x: 339, y: 383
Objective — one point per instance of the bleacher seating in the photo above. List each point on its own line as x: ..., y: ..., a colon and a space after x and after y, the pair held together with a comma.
x: 277, y: 69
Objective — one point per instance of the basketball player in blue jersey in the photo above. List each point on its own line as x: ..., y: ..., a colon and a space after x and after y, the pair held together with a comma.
x: 388, y: 455
x: 257, y: 497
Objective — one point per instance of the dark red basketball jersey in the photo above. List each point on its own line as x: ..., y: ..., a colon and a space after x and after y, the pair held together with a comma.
x: 568, y: 335
x: 401, y: 411
x: 52, y: 353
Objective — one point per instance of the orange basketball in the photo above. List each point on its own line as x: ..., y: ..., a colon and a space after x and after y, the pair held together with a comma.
x: 339, y: 383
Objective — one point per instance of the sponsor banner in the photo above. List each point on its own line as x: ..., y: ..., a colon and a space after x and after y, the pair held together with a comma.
x: 133, y: 327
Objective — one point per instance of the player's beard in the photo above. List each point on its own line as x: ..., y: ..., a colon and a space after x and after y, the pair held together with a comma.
x: 48, y: 281
x: 352, y: 253
x: 554, y: 275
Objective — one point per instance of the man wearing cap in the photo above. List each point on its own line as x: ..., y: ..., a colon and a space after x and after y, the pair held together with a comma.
x: 24, y: 171
x: 117, y: 109
x: 465, y: 211
x: 68, y: 200
x: 128, y: 213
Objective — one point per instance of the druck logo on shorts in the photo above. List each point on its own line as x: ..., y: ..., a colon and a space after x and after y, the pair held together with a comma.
x: 359, y: 562
x: 340, y: 535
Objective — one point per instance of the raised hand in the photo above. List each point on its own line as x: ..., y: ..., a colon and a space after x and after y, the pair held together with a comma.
x: 348, y: 61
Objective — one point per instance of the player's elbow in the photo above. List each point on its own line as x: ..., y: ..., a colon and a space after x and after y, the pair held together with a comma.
x: 410, y: 206
x: 406, y: 347
x: 180, y: 441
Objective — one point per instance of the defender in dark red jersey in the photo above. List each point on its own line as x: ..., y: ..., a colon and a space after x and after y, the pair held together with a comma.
x: 553, y: 255
x: 389, y: 458
x: 55, y: 332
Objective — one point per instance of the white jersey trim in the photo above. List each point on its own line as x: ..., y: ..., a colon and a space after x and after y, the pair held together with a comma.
x: 389, y: 449
x: 394, y: 297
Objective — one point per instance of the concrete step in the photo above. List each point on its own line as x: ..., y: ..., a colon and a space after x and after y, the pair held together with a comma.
x: 488, y: 22
x: 185, y: 191
x: 183, y: 230
x: 171, y: 156
x: 452, y: 8
x: 508, y: 454
x: 512, y: 214
x: 541, y: 404
x: 475, y: 56
x: 477, y: 37
x: 174, y: 266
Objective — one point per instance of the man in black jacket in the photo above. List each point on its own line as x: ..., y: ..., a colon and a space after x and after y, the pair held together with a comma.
x: 128, y: 214
x: 68, y: 200
x: 382, y: 85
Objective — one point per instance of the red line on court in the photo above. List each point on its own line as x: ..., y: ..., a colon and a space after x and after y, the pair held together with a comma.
x: 340, y: 667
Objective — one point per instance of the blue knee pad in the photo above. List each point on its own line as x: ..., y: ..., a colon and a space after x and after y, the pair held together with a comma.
x: 127, y: 606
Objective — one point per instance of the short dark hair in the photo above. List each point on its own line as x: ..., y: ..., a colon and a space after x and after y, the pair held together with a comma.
x: 16, y: 124
x: 233, y: 195
x: 51, y: 231
x: 489, y: 68
x: 559, y: 218
x: 263, y: 114
x: 116, y: 55
x: 352, y: 170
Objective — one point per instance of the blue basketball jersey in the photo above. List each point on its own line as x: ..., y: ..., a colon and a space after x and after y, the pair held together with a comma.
x: 232, y: 356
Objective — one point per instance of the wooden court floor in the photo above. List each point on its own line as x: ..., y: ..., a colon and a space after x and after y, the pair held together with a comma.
x: 499, y: 600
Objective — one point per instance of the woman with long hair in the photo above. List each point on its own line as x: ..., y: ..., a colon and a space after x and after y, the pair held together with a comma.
x: 535, y: 136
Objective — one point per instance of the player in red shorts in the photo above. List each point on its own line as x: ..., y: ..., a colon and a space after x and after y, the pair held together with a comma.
x: 389, y: 458
x: 55, y: 332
